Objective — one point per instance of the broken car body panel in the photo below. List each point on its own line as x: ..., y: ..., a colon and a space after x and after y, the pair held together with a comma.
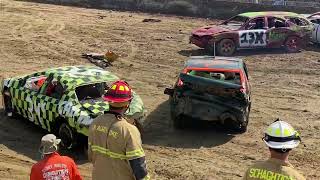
x: 254, y: 30
x: 208, y: 95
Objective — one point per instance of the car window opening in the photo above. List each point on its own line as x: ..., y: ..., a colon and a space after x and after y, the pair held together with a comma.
x: 298, y: 21
x: 91, y: 91
x: 257, y: 23
x: 54, y: 89
x: 35, y: 83
x: 276, y: 22
x: 235, y: 22
x: 229, y: 77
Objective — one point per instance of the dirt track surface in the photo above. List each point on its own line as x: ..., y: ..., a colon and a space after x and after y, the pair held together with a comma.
x: 39, y: 36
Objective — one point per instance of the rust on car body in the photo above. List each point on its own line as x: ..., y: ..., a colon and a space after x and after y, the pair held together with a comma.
x: 212, y: 89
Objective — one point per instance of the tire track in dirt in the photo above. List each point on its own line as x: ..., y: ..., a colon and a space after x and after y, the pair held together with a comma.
x: 55, y: 28
x: 18, y: 33
x: 134, y: 49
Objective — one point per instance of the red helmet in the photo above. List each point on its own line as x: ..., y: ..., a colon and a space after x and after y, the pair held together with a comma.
x: 119, y: 92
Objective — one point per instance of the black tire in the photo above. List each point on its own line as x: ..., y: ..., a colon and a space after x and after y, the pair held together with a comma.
x: 293, y: 44
x: 67, y: 136
x: 236, y: 126
x: 226, y: 47
x: 243, y: 127
x: 7, y: 103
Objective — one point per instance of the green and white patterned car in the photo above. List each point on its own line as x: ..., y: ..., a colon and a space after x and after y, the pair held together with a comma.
x: 66, y: 101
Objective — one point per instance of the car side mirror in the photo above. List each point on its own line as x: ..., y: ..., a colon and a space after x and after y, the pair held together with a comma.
x: 169, y: 91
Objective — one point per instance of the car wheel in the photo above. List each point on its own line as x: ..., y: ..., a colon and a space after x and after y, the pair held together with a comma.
x: 226, y: 47
x: 7, y: 103
x: 293, y: 44
x: 242, y: 128
x: 67, y: 136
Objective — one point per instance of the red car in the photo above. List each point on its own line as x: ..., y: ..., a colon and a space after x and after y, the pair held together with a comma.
x: 255, y: 30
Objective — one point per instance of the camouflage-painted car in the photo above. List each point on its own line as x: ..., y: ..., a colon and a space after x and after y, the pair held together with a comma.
x: 212, y: 89
x: 255, y: 30
x: 67, y: 101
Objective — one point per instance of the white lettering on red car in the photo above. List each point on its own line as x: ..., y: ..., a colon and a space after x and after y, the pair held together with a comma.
x: 252, y: 38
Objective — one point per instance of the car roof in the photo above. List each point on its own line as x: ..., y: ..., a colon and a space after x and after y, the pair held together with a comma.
x: 74, y: 76
x: 214, y: 62
x: 268, y: 13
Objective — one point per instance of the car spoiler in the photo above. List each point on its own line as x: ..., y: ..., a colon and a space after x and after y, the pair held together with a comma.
x: 205, y: 82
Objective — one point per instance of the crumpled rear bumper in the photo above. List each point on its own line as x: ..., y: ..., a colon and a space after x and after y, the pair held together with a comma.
x: 209, y: 110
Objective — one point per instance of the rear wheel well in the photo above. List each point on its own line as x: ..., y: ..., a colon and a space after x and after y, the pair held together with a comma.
x: 6, y: 100
x: 219, y: 50
x: 299, y: 43
x: 65, y: 132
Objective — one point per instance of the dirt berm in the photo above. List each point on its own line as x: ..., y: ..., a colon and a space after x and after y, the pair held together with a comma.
x: 196, y: 8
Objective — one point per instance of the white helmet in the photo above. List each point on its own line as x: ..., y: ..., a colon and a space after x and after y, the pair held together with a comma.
x: 281, y: 135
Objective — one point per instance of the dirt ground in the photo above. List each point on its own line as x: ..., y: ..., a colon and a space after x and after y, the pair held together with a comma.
x: 39, y: 36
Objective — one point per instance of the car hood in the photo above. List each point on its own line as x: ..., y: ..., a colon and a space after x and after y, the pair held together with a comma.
x: 209, y: 30
x: 99, y: 106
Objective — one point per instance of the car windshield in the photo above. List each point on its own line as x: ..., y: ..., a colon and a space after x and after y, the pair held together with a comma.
x: 90, y: 91
x: 235, y: 22
x: 298, y: 21
x: 229, y: 77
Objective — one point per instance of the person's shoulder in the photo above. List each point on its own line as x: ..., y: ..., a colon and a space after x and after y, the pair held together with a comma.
x: 101, y: 119
x: 294, y: 172
x: 128, y: 126
x: 36, y: 165
x: 259, y: 164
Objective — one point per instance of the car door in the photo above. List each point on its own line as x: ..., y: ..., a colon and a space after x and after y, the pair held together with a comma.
x: 19, y: 95
x: 23, y: 95
x: 278, y: 31
x: 46, y: 104
x: 253, y: 33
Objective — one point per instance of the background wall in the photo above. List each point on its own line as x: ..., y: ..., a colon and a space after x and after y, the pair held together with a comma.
x: 199, y: 8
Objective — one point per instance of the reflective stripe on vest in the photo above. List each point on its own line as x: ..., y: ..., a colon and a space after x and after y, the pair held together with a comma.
x: 146, y: 178
x: 107, y: 152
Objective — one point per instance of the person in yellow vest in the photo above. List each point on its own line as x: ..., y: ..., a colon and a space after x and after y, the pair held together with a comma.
x: 114, y: 145
x: 281, y: 138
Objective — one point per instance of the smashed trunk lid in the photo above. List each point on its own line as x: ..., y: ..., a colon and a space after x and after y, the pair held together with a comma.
x: 209, y: 99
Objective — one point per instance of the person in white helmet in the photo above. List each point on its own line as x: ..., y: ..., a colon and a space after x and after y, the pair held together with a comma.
x: 281, y: 138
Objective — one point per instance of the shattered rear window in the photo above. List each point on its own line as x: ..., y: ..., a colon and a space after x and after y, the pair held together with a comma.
x: 298, y: 21
x: 229, y: 77
x: 236, y: 22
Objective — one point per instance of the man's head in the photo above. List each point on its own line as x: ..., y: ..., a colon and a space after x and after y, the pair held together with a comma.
x: 119, y: 96
x: 49, y: 144
x: 281, y: 137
